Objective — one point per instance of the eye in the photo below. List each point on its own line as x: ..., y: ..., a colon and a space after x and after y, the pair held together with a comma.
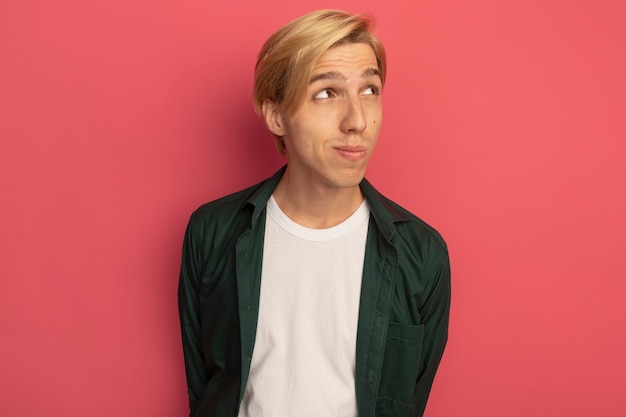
x: 371, y: 90
x: 325, y: 93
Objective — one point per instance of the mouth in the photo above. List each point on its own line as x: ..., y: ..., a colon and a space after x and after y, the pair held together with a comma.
x: 351, y: 153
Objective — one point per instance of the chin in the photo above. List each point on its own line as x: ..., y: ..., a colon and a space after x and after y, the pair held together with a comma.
x: 351, y: 180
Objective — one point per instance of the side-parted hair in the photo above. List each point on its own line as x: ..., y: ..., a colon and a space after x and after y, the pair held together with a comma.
x: 287, y: 58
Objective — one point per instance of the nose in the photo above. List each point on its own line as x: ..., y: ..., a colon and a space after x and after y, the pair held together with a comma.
x: 354, y: 120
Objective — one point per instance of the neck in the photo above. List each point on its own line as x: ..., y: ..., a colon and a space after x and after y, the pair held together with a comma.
x: 316, y: 207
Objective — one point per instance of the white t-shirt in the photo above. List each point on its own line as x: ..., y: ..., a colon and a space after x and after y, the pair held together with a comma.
x: 304, y: 355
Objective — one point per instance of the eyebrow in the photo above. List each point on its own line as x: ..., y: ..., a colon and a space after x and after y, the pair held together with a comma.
x: 335, y: 75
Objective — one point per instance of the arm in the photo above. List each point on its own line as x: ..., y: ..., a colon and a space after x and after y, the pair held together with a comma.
x: 435, y: 316
x: 188, y: 308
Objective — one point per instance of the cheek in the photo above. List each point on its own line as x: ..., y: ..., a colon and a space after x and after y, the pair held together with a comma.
x: 376, y: 121
x: 376, y: 115
x: 374, y: 131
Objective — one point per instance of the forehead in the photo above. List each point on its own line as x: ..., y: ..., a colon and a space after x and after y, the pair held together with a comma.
x: 346, y: 57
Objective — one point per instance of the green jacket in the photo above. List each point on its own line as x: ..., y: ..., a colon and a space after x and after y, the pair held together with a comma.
x: 403, y: 313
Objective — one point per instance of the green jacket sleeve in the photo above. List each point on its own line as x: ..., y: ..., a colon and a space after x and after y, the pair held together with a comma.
x: 189, y: 312
x: 435, y: 317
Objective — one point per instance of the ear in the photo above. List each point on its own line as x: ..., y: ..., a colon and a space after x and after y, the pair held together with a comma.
x: 272, y: 118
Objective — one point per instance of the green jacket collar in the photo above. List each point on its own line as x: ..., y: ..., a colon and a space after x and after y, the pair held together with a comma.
x: 385, y: 212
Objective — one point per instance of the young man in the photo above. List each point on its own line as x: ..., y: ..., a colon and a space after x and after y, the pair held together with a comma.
x: 311, y: 294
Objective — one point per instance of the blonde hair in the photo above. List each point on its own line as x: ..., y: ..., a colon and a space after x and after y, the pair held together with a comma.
x: 288, y: 56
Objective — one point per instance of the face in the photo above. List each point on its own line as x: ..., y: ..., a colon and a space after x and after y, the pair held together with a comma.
x: 330, y: 138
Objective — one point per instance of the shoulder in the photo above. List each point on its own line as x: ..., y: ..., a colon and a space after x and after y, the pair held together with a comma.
x: 401, y: 224
x: 416, y: 228
x: 249, y: 200
x: 229, y: 203
x: 224, y: 210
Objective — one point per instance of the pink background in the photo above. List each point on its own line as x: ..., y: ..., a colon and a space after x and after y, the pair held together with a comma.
x: 504, y: 128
